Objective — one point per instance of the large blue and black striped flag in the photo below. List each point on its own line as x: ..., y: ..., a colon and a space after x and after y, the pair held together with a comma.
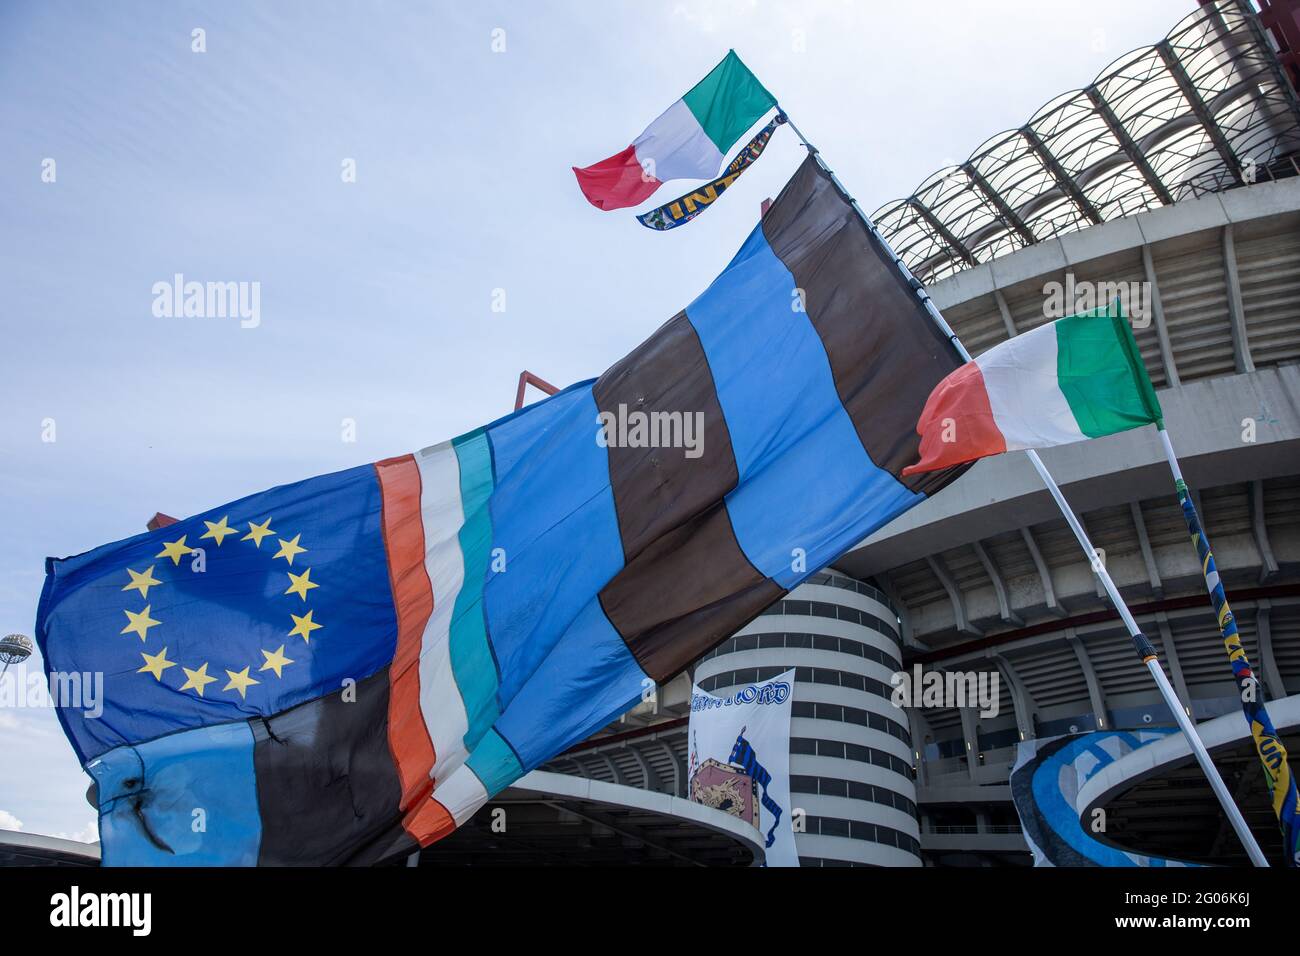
x: 345, y: 668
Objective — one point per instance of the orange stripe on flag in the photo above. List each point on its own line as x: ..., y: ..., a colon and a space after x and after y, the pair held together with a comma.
x: 429, y: 822
x: 408, y: 738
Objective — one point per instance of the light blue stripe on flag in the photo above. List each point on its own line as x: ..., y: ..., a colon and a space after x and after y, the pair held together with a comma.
x: 803, y: 470
x: 170, y: 778
x: 589, y: 678
x: 556, y: 539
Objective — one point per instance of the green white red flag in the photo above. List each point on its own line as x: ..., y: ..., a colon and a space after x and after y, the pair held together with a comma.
x: 1075, y: 378
x: 689, y: 140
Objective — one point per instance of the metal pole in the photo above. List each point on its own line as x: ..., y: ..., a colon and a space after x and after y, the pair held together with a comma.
x: 1220, y: 789
x: 1170, y: 456
x: 1143, y: 646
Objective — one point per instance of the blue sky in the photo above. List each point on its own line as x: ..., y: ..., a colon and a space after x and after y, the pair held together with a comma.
x: 376, y: 295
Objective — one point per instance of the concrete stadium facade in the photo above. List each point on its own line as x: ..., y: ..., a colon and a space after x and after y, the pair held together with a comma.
x: 987, y: 576
x: 851, y: 751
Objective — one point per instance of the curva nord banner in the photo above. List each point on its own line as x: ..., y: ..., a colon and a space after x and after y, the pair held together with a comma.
x: 740, y: 759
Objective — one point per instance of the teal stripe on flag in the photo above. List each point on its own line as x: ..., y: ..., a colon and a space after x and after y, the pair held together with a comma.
x: 495, y: 764
x: 471, y: 657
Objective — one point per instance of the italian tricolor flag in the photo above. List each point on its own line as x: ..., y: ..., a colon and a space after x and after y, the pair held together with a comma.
x: 688, y: 141
x: 1079, y: 377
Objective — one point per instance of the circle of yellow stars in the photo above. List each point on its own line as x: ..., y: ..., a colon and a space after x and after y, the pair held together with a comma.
x: 197, y: 679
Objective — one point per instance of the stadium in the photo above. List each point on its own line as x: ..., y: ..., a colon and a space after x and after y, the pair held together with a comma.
x: 1173, y: 177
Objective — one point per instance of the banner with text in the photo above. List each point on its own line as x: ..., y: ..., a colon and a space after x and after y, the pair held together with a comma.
x: 740, y: 759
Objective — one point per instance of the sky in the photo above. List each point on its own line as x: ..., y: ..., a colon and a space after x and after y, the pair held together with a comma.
x: 407, y: 301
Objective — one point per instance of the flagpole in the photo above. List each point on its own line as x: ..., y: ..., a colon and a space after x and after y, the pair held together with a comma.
x: 1268, y: 746
x: 1141, y: 644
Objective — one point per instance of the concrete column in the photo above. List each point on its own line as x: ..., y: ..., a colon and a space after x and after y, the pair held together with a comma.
x: 1268, y: 668
x: 1236, y: 308
x: 1171, y: 658
x: 1158, y: 316
x: 971, y: 740
x: 1095, y: 694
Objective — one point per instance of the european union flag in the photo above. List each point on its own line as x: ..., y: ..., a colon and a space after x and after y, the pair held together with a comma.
x: 246, y: 610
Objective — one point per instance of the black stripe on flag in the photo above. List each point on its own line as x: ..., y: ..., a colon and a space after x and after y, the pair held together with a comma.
x: 686, y: 583
x: 688, y: 590
x: 885, y: 352
x: 326, y: 781
x: 657, y: 489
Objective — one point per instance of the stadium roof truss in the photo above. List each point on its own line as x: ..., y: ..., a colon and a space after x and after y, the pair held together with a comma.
x: 1206, y: 109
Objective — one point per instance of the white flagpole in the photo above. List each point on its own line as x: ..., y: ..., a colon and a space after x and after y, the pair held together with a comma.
x: 1140, y: 642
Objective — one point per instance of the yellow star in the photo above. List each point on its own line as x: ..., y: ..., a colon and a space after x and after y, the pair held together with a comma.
x: 304, y: 625
x: 218, y: 530
x: 198, y: 679
x: 240, y: 681
x: 302, y: 583
x: 141, y: 581
x: 288, y: 548
x: 140, y: 623
x: 275, y: 661
x: 155, y: 664
x: 256, y: 532
x: 175, y: 550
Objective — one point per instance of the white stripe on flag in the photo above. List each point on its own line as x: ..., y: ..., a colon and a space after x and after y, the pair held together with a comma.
x: 461, y: 794
x: 440, y: 700
x: 678, y: 146
x: 1024, y: 394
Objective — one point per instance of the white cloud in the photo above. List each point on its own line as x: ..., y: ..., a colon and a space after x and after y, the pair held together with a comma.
x: 710, y: 15
x: 9, y: 822
x: 87, y: 834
